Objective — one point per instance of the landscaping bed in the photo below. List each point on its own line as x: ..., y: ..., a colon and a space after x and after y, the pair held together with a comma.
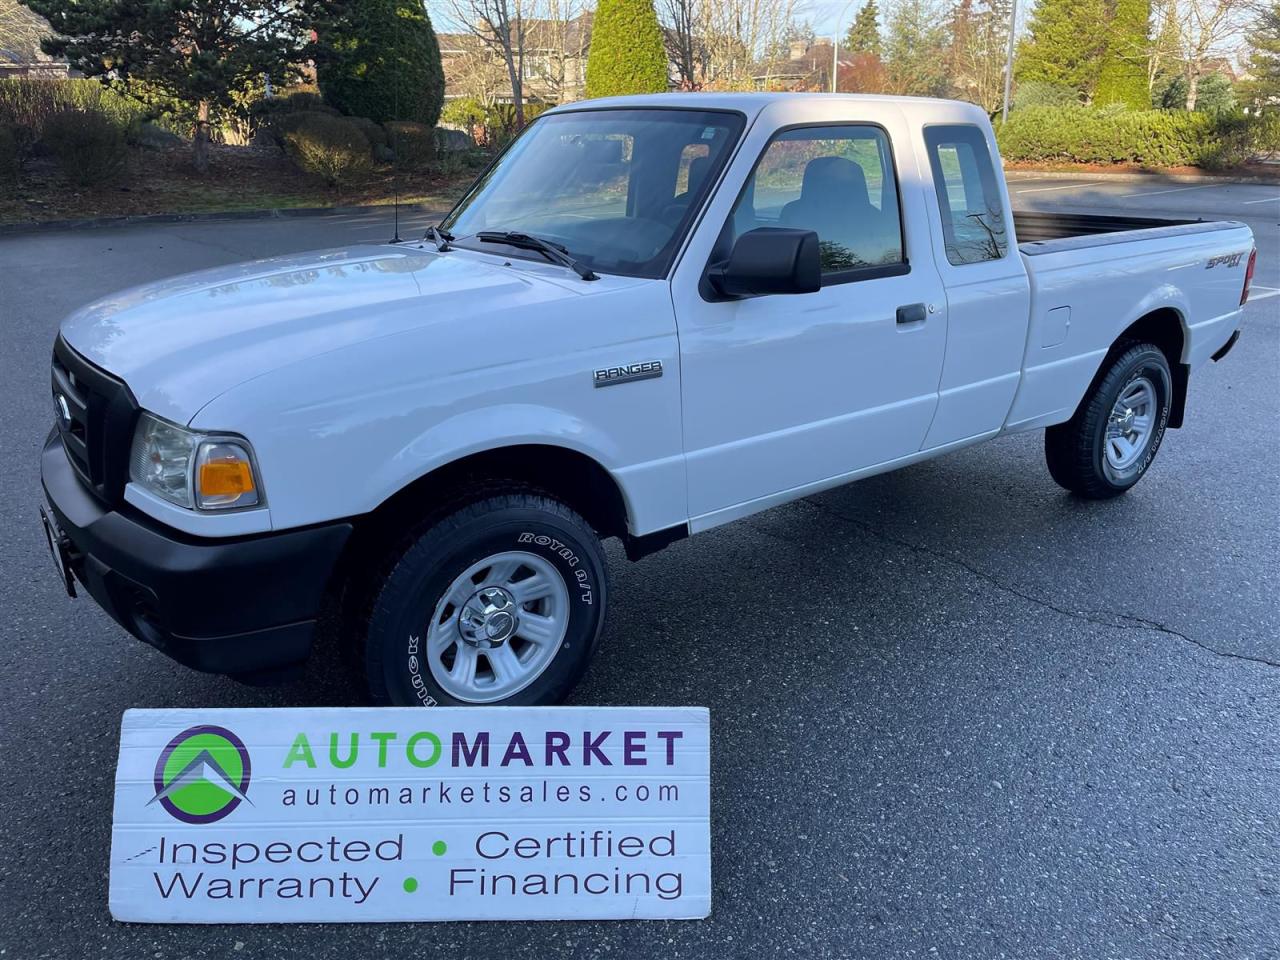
x: 161, y: 180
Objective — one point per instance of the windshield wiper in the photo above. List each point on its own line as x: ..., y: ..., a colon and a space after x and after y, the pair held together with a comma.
x: 439, y: 237
x: 552, y: 251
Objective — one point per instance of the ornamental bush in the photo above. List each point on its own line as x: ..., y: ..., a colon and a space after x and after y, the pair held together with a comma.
x: 89, y: 147
x: 627, y: 53
x: 27, y: 104
x: 1156, y: 138
x: 330, y: 147
x: 383, y: 62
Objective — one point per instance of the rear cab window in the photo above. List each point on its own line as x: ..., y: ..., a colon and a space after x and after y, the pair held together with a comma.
x: 969, y: 201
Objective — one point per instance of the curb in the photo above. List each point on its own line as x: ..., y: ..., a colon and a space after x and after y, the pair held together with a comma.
x: 280, y: 213
x: 1025, y: 173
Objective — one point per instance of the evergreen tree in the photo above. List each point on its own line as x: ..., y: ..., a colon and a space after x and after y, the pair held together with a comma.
x: 915, y: 50
x: 382, y: 61
x: 1122, y: 76
x: 196, y: 58
x: 627, y: 52
x: 1064, y: 44
x: 864, y: 32
x: 1263, y: 85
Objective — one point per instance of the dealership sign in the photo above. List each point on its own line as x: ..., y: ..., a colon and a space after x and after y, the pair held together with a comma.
x: 343, y: 815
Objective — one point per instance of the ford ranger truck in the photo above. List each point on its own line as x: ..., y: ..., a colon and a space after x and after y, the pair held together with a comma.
x: 648, y: 317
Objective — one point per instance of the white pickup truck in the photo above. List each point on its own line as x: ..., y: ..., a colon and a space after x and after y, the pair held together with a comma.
x: 649, y: 316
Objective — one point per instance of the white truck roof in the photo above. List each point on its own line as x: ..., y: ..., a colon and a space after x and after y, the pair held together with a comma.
x: 916, y: 109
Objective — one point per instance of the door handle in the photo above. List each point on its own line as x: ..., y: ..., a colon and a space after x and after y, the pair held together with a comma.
x: 912, y: 313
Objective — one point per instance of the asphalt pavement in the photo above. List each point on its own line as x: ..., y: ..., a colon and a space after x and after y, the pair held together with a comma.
x: 956, y: 713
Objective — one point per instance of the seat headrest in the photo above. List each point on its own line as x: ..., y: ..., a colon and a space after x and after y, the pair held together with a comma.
x: 833, y: 179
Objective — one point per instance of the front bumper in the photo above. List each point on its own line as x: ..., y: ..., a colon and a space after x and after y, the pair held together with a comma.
x: 240, y: 606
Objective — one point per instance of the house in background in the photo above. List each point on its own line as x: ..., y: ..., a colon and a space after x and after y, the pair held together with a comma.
x: 20, y: 53
x: 554, y: 63
x: 553, y: 68
x: 806, y: 66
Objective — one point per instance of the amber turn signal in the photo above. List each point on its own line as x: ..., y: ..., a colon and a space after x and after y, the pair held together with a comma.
x: 225, y: 478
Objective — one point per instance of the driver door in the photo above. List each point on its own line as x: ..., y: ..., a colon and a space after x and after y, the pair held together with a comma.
x: 788, y: 393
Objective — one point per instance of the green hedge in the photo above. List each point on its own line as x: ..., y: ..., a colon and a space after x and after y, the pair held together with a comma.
x: 1156, y: 138
x: 27, y: 105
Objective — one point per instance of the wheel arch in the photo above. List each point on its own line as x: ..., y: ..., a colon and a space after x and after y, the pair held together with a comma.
x: 1166, y: 328
x: 571, y: 475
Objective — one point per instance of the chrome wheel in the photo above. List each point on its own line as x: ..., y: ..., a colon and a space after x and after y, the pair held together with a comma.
x: 498, y: 627
x: 1130, y: 424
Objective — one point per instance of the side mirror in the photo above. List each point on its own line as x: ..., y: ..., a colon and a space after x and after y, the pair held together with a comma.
x: 769, y: 260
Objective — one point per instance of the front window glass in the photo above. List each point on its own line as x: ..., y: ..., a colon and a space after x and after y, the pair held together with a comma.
x: 616, y: 188
x: 837, y: 181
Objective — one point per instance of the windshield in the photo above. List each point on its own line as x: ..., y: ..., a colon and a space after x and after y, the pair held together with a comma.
x: 616, y: 188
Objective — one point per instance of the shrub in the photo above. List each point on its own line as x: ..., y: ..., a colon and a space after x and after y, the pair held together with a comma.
x: 373, y: 132
x: 280, y: 125
x: 627, y: 53
x: 328, y: 146
x: 27, y: 104
x: 414, y: 144
x: 303, y: 100
x: 383, y: 61
x: 89, y: 147
x: 1157, y: 138
x: 1041, y: 93
x: 8, y: 153
x: 1090, y: 135
x: 1239, y: 138
x: 489, y: 125
x: 464, y: 113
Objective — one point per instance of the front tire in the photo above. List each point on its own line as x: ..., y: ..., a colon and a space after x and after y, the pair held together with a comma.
x: 499, y: 602
x: 1107, y: 446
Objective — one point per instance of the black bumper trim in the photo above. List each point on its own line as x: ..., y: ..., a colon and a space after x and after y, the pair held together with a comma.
x: 236, y: 606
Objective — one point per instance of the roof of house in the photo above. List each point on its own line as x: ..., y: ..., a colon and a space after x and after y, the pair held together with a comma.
x: 20, y: 34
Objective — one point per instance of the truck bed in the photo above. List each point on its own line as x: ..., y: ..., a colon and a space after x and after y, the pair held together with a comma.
x: 1035, y: 227
x: 1040, y: 233
x: 1054, y: 233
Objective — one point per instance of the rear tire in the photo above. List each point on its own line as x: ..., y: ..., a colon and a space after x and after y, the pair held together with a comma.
x: 500, y: 601
x: 1107, y: 446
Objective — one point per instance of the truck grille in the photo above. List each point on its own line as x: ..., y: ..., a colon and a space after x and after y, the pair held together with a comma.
x: 95, y: 414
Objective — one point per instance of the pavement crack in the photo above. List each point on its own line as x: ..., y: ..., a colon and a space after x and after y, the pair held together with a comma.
x: 1113, y: 621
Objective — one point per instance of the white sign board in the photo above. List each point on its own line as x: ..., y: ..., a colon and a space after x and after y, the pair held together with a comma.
x: 497, y: 813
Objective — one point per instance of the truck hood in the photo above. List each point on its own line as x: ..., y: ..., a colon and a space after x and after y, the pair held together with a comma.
x: 181, y: 342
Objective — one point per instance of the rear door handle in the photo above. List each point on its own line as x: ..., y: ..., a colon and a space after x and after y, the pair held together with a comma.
x: 912, y: 313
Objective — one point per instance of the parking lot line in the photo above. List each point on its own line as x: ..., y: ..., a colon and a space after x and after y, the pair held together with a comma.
x: 1255, y: 295
x: 1156, y: 193
x: 1274, y: 199
x: 1069, y: 186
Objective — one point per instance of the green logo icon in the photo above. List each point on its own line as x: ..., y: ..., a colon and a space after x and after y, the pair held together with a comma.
x: 202, y: 775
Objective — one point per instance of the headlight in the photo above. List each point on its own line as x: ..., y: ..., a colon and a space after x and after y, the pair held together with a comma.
x: 192, y: 469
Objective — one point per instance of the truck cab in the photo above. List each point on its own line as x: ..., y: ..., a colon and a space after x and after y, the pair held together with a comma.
x: 649, y: 316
